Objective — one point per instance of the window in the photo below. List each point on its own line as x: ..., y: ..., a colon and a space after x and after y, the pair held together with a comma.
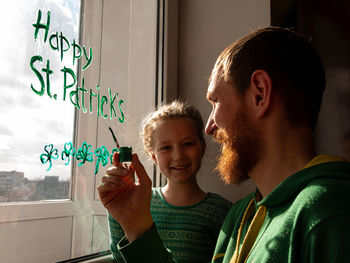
x: 116, y: 84
x: 31, y: 121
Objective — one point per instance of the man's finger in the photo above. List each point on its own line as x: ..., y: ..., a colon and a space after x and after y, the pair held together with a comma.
x: 116, y: 160
x: 140, y: 170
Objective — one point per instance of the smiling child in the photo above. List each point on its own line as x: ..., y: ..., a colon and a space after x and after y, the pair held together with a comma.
x: 188, y: 219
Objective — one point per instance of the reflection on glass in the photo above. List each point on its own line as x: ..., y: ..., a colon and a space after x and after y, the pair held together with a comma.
x: 29, y: 121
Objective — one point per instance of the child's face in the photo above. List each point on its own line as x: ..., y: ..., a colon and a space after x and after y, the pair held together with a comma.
x: 177, y: 150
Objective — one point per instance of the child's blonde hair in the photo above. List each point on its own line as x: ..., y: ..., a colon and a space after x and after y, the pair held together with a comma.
x: 169, y: 111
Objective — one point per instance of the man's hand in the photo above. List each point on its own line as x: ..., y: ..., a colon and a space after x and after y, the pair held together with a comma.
x: 128, y: 202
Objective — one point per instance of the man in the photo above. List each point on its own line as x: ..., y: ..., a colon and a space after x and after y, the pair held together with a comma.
x: 266, y: 91
x: 345, y: 141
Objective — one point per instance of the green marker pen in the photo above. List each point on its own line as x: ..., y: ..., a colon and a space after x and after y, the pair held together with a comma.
x: 125, y: 156
x: 114, y: 138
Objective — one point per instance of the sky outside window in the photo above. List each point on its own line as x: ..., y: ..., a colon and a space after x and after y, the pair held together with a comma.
x: 29, y: 122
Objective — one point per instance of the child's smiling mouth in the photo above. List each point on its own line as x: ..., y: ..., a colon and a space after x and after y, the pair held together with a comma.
x: 180, y: 167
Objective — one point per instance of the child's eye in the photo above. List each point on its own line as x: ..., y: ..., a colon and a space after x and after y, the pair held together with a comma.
x: 189, y: 143
x: 164, y: 148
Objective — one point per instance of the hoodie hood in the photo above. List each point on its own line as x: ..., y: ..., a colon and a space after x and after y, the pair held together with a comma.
x: 315, y: 170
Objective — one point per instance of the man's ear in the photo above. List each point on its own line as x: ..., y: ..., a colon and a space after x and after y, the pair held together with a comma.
x: 261, y: 88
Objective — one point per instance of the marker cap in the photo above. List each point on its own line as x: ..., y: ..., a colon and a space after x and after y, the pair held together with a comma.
x: 125, y: 154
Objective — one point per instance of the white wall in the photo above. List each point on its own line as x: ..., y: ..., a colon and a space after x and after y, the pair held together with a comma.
x: 203, y: 28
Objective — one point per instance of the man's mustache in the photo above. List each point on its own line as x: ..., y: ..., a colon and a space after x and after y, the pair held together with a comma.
x: 220, y: 136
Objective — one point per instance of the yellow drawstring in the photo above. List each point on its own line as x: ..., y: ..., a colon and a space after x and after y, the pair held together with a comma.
x: 323, y: 158
x: 240, y: 255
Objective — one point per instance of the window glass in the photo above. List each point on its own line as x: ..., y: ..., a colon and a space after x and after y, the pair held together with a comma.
x: 36, y: 117
x: 55, y: 141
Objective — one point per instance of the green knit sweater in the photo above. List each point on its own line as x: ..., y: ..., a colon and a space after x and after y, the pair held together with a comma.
x: 307, y: 220
x: 188, y: 232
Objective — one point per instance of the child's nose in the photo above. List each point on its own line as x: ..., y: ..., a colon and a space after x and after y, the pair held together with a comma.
x: 178, y: 153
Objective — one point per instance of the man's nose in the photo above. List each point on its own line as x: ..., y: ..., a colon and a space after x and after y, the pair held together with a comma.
x: 210, y: 126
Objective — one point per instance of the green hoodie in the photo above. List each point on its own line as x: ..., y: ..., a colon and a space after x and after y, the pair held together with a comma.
x: 307, y: 220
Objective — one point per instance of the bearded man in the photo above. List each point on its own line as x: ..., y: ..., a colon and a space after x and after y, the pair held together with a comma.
x: 266, y: 91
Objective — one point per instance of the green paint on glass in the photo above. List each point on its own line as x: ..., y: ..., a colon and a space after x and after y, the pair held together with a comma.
x: 61, y: 43
x: 75, y: 54
x: 98, y: 99
x: 102, y: 155
x: 106, y: 104
x: 37, y: 73
x: 84, y: 154
x: 91, y: 95
x: 111, y: 104
x: 51, y: 154
x: 103, y: 101
x: 65, y: 86
x: 55, y: 38
x: 48, y: 71
x: 114, y: 150
x: 68, y: 152
x: 38, y: 25
x: 63, y: 40
x: 88, y: 58
x: 83, y: 90
x: 121, y: 119
x: 75, y: 94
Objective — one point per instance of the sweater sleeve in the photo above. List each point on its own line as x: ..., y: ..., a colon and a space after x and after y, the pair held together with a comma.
x: 116, y: 234
x: 328, y: 241
x: 147, y: 248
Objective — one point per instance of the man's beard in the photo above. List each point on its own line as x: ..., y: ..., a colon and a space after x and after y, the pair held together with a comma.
x: 239, y: 153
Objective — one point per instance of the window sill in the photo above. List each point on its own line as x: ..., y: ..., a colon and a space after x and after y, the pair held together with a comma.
x: 102, y: 257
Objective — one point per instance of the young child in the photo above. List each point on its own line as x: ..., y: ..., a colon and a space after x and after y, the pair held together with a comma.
x: 188, y: 220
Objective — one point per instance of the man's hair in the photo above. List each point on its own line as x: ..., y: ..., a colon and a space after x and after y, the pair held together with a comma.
x: 346, y: 136
x: 294, y: 66
x: 169, y: 111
